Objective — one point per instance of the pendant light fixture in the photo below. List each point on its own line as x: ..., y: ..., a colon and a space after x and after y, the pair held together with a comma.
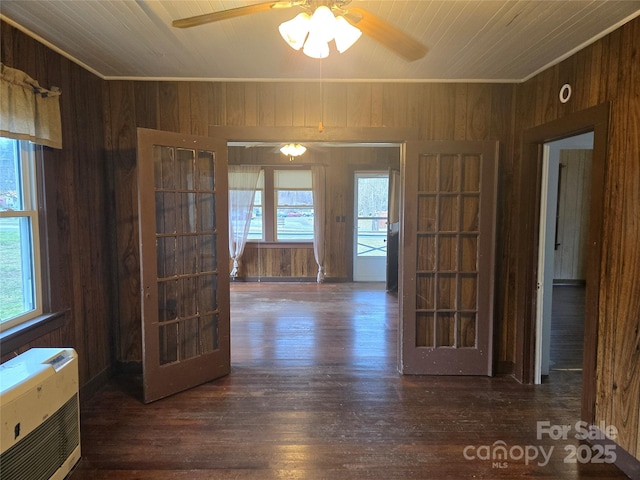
x: 313, y: 33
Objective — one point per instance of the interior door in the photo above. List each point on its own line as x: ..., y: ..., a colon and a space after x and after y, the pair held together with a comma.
x: 182, y: 200
x: 393, y: 230
x: 447, y: 264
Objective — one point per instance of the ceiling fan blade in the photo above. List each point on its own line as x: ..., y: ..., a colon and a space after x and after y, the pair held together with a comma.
x: 231, y: 13
x: 386, y: 34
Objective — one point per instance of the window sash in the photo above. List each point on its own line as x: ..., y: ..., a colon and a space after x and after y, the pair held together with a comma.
x: 272, y: 180
x: 29, y: 238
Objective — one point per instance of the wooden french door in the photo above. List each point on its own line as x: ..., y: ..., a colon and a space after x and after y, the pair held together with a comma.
x: 182, y: 200
x: 448, y: 237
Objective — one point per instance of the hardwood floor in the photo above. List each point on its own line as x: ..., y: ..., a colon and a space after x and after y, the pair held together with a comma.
x: 314, y: 393
x: 567, y: 327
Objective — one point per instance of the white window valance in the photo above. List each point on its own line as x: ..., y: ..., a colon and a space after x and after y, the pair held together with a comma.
x: 27, y: 110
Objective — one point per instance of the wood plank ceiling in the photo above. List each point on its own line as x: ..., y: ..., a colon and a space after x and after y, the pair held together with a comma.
x: 468, y: 40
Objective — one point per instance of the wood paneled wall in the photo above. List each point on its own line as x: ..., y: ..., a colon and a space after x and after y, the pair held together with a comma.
x: 76, y: 189
x: 573, y: 215
x: 438, y: 111
x: 607, y: 71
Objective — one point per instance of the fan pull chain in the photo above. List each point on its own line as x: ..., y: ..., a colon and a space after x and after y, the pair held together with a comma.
x: 320, y: 126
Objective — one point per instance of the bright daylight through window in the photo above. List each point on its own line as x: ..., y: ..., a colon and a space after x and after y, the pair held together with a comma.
x: 290, y: 204
x: 19, y: 258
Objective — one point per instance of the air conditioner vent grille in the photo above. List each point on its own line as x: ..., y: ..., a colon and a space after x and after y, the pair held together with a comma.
x: 45, y: 449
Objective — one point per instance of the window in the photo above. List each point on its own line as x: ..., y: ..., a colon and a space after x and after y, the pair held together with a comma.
x: 283, y: 206
x: 20, y: 289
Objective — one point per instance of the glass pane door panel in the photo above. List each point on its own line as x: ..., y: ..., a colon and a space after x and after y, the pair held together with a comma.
x: 165, y: 212
x: 207, y: 253
x: 185, y: 166
x: 446, y: 292
x: 447, y: 253
x: 426, y: 253
x: 449, y: 173
x: 467, y: 330
x: 186, y: 253
x: 168, y: 340
x: 471, y: 171
x: 468, y: 288
x: 468, y: 253
x: 445, y: 329
x: 186, y: 212
x: 163, y: 167
x: 167, y: 301
x: 427, y: 213
x: 188, y: 294
x: 207, y: 302
x: 205, y: 166
x: 448, y: 214
x: 166, y: 256
x: 470, y: 213
x: 428, y: 174
x: 206, y: 212
x: 209, y: 333
x: 424, y: 330
x: 425, y: 299
x: 189, y: 338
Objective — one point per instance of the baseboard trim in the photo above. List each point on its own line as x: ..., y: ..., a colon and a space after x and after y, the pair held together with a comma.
x: 287, y: 280
x: 93, y: 386
x: 505, y: 368
x: 569, y: 282
x: 626, y: 462
x: 274, y: 279
x: 129, y: 368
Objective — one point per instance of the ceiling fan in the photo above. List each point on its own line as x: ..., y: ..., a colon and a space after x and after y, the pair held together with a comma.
x: 378, y: 29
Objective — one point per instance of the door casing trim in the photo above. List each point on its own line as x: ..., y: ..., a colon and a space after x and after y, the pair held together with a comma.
x: 594, y: 119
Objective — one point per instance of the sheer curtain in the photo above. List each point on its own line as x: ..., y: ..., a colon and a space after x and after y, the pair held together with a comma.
x: 243, y: 180
x: 318, y: 189
x: 28, y: 111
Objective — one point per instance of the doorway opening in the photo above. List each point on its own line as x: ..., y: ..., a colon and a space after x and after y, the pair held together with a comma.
x: 563, y: 241
x: 339, y: 208
x: 594, y: 119
x: 371, y: 206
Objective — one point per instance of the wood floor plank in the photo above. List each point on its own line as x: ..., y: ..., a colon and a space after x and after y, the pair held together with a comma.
x: 567, y: 327
x: 314, y: 393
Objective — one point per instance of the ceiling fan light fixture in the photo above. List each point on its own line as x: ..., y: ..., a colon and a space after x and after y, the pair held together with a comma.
x: 313, y: 32
x: 293, y: 149
x: 345, y: 34
x: 295, y: 31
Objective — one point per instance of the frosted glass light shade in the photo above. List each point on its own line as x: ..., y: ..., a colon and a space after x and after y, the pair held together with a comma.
x: 345, y: 34
x: 323, y: 23
x: 316, y: 46
x: 295, y: 31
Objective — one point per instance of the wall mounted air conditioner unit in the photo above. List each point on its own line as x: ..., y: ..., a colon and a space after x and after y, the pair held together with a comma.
x: 39, y: 415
